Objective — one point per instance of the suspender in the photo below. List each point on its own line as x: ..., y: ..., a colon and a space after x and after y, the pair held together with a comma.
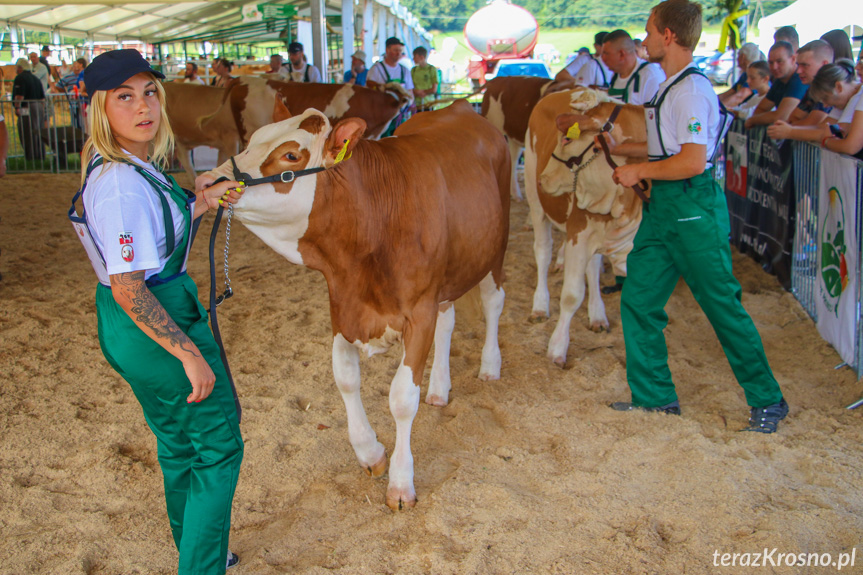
x: 305, y: 74
x: 634, y: 77
x: 387, y: 74
x: 656, y: 103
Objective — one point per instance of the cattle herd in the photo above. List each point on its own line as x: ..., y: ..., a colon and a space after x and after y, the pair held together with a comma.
x: 402, y: 227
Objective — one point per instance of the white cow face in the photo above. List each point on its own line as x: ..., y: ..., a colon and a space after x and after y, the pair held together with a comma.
x: 594, y: 188
x: 279, y: 212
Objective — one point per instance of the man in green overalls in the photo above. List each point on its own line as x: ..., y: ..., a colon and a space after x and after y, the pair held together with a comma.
x: 684, y: 231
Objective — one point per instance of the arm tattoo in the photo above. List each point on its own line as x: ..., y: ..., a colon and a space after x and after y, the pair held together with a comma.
x: 147, y: 310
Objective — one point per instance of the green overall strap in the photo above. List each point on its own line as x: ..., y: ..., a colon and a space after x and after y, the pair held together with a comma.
x: 687, y: 72
x: 176, y: 252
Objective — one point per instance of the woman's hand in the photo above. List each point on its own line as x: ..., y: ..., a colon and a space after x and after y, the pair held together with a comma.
x: 217, y: 194
x: 201, y: 377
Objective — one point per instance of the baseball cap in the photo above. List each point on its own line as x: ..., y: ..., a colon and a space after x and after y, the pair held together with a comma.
x: 359, y: 55
x: 393, y: 41
x: 109, y: 70
x: 295, y: 47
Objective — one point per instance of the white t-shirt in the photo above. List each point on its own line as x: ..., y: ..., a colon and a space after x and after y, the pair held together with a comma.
x: 855, y: 104
x: 576, y: 64
x: 689, y: 114
x: 125, y: 218
x: 396, y: 73
x: 41, y: 72
x: 745, y: 110
x: 300, y: 75
x: 649, y: 79
x: 593, y: 73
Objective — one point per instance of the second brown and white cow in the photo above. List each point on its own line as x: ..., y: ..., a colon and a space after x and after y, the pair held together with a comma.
x: 337, y: 102
x: 400, y: 230
x: 507, y: 103
x: 598, y: 216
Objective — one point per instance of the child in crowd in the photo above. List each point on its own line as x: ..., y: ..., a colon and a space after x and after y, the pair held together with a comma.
x: 758, y: 78
x: 424, y: 76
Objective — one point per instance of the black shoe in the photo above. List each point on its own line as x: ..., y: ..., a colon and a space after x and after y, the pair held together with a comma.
x: 232, y: 560
x: 766, y: 419
x: 672, y: 408
x: 607, y: 290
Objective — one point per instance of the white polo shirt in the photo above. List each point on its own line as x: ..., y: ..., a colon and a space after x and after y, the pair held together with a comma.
x: 855, y: 104
x: 396, y: 73
x: 125, y: 218
x: 576, y: 64
x: 300, y: 75
x: 649, y: 79
x: 594, y: 73
x: 689, y: 114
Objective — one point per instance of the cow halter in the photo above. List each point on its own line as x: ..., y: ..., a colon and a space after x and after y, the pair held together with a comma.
x: 285, y: 177
x: 640, y: 188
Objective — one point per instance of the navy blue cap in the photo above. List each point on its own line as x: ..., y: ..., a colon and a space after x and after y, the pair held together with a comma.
x: 111, y: 69
x: 295, y: 47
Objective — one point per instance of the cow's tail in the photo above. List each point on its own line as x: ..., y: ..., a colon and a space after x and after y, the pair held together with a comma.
x: 203, y: 120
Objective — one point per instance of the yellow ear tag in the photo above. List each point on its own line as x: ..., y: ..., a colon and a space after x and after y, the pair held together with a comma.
x: 341, y: 155
x: 573, y: 132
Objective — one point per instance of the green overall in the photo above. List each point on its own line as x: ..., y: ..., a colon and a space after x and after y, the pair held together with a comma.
x: 684, y: 232
x: 199, y: 444
x: 400, y: 118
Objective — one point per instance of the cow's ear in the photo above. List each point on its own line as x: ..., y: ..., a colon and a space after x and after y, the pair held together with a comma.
x: 567, y: 121
x: 280, y: 110
x: 343, y: 139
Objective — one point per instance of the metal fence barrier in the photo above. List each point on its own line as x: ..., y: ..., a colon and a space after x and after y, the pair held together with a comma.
x: 805, y: 273
x: 45, y: 135
x: 804, y: 260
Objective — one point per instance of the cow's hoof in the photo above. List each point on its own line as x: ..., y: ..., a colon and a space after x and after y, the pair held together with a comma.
x: 378, y: 468
x: 398, y: 499
x: 437, y: 400
x: 598, y: 326
x: 489, y: 376
x: 559, y: 361
x: 537, y: 317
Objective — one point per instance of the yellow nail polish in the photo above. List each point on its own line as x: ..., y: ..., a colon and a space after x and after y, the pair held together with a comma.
x: 242, y: 183
x: 221, y: 202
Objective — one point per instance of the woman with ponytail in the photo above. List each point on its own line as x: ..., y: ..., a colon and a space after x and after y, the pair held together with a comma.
x: 837, y: 85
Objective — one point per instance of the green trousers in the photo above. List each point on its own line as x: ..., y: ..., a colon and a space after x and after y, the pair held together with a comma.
x: 684, y: 232
x: 199, y: 444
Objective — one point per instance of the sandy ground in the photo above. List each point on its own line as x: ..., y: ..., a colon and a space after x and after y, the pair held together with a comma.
x: 529, y: 474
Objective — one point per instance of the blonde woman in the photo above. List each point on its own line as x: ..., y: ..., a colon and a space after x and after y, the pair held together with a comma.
x: 152, y: 329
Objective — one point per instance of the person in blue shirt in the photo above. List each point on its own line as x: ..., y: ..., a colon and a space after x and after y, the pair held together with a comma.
x: 787, y: 89
x: 358, y: 72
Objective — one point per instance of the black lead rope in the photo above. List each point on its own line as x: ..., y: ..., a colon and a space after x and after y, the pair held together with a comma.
x: 214, y: 303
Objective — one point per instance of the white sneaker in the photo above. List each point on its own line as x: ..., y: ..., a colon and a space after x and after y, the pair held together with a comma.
x: 232, y: 560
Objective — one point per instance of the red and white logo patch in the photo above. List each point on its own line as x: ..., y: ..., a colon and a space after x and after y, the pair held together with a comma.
x: 128, y: 253
x: 125, y: 238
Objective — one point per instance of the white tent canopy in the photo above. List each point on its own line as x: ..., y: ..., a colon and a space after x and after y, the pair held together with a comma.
x: 160, y: 22
x: 812, y: 18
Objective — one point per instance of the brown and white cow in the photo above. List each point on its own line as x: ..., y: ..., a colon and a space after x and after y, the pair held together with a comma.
x: 203, y: 116
x: 508, y: 102
x: 598, y: 216
x: 336, y: 101
x: 400, y: 230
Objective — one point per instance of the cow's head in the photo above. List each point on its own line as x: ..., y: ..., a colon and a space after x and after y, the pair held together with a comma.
x: 299, y: 143
x: 595, y: 191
